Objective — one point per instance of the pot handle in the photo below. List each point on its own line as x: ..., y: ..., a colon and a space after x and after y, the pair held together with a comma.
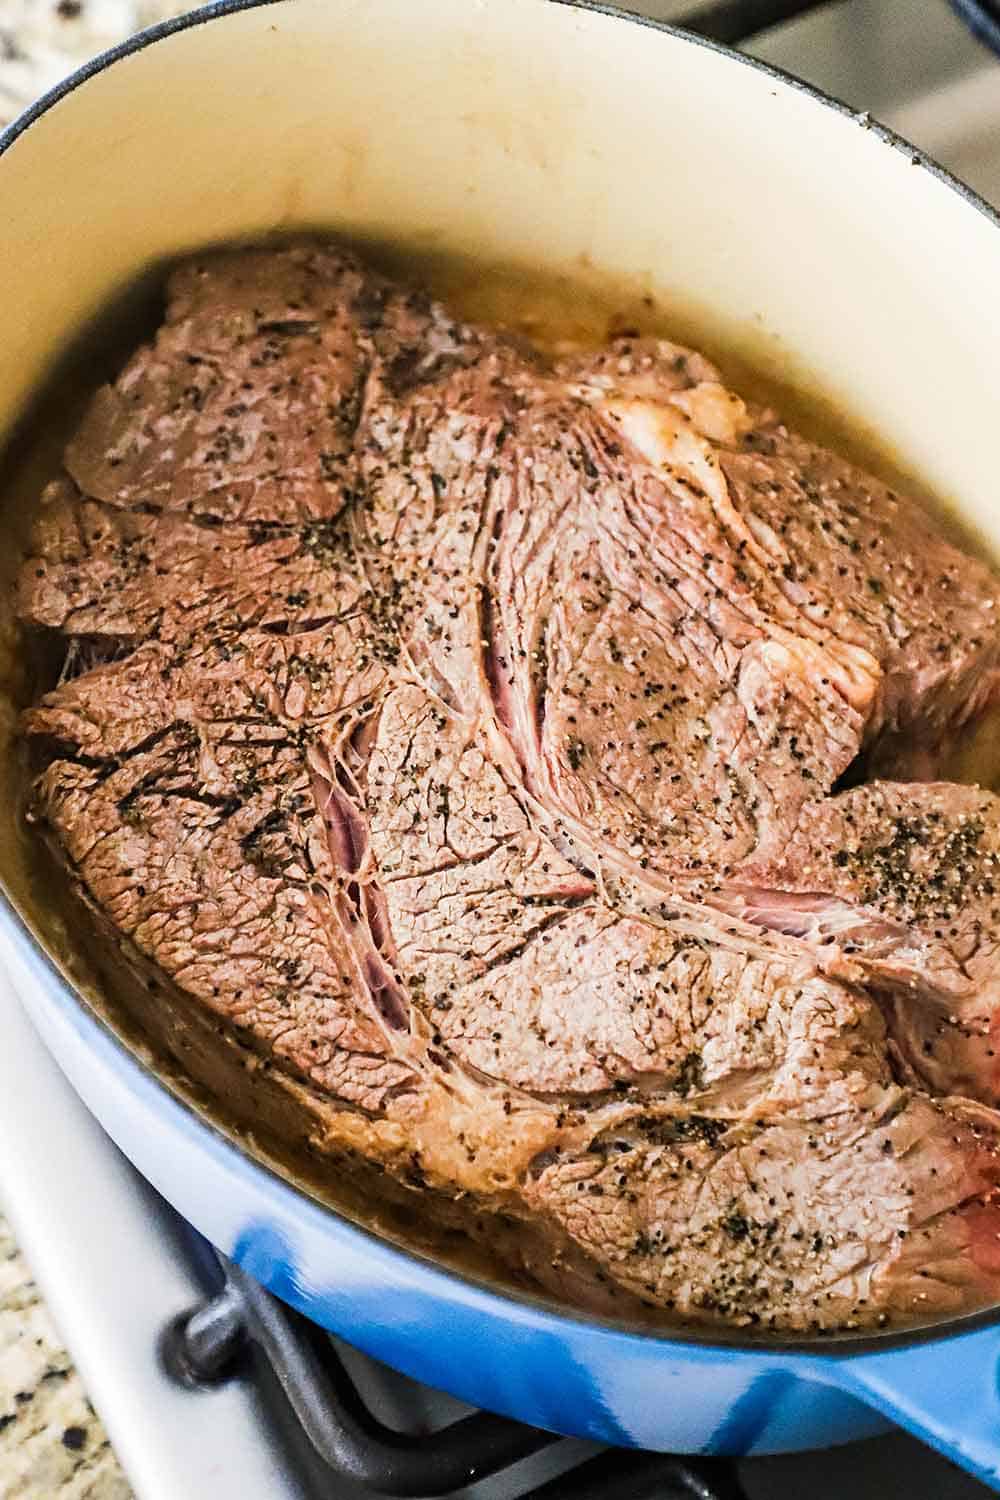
x: 946, y: 1392
x: 733, y: 21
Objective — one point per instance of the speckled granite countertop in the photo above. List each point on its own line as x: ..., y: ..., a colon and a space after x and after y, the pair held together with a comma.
x: 52, y: 1445
x: 43, y: 40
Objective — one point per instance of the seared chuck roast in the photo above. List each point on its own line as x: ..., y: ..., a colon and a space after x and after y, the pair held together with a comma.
x: 480, y: 736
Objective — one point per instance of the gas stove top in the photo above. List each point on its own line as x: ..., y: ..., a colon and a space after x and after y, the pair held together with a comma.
x: 194, y: 1406
x: 911, y: 63
x: 195, y: 1409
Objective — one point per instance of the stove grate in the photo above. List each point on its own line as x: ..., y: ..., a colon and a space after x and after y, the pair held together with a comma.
x: 983, y: 19
x: 733, y: 21
x: 206, y: 1345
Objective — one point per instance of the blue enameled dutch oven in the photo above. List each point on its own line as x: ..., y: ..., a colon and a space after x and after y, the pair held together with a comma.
x: 591, y: 147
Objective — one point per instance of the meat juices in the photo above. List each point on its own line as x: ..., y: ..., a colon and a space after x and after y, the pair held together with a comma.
x: 469, y: 731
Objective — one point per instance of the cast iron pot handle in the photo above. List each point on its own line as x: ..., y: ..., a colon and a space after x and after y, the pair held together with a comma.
x: 944, y: 1391
x: 734, y: 21
x: 982, y: 18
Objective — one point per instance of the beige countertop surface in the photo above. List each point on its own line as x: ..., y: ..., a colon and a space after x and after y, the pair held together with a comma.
x: 52, y: 1444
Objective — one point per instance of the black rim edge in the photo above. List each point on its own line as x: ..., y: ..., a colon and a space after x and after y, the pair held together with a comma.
x: 834, y: 1346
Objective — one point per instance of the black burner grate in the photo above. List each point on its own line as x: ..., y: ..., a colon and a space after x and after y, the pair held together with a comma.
x: 206, y: 1345
x: 737, y: 20
x: 734, y: 21
x: 983, y: 19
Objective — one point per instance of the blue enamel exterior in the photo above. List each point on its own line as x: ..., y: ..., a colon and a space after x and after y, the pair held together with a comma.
x: 571, y: 1375
x: 513, y: 1356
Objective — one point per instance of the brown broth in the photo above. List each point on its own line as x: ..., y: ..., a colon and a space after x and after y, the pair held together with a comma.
x: 274, y: 1118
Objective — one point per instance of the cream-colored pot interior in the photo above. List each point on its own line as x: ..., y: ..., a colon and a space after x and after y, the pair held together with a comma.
x: 538, y: 133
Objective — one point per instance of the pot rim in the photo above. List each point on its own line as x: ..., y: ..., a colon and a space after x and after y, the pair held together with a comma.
x: 14, y: 926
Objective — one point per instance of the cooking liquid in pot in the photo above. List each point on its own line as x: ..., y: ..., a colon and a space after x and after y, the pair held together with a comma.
x: 275, y: 1118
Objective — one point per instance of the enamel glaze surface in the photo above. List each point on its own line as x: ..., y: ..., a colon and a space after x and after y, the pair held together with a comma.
x: 564, y: 139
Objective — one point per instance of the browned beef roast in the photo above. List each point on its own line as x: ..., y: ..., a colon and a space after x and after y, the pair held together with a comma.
x: 468, y: 731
